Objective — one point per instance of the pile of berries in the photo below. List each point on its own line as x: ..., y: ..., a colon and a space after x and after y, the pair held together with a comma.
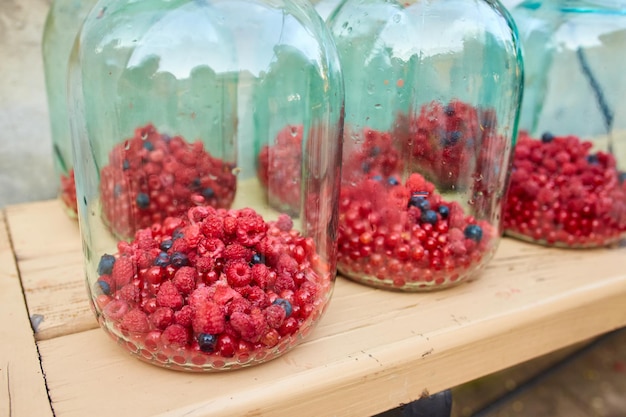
x: 561, y: 194
x: 218, y: 289
x: 280, y: 169
x: 152, y: 176
x: 68, y: 193
x: 406, y: 236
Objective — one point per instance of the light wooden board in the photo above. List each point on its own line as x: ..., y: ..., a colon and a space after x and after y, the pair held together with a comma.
x: 22, y: 386
x: 373, y: 350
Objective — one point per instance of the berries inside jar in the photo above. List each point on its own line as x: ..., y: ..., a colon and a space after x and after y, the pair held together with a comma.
x: 152, y: 176
x: 218, y: 289
x: 563, y: 194
x: 68, y: 193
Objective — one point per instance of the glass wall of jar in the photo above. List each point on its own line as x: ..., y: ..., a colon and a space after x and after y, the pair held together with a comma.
x: 62, y: 24
x: 188, y: 264
x: 432, y: 100
x: 567, y: 187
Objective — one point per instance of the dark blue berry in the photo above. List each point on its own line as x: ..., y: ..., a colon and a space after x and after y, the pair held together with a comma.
x: 449, y: 110
x: 419, y: 201
x: 166, y: 245
x: 375, y: 151
x: 125, y: 164
x: 208, y: 193
x: 444, y: 211
x: 474, y: 232
x: 148, y: 145
x: 285, y: 304
x: 105, y: 266
x: 195, y: 184
x: 207, y: 342
x: 143, y: 201
x: 117, y: 190
x: 547, y: 137
x: 451, y: 138
x: 257, y: 258
x: 365, y: 167
x: 392, y: 181
x: 177, y: 234
x: 166, y: 138
x: 162, y: 259
x: 179, y: 259
x: 621, y: 177
x: 377, y: 178
x: 104, y: 287
x: 429, y: 216
x: 593, y: 159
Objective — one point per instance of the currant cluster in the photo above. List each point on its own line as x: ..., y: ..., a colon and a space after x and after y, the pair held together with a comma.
x: 152, y: 176
x: 562, y: 194
x: 406, y: 236
x: 219, y: 289
x: 68, y: 192
x: 280, y: 169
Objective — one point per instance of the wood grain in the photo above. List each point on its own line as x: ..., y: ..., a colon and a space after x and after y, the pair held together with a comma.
x: 373, y: 349
x: 22, y: 386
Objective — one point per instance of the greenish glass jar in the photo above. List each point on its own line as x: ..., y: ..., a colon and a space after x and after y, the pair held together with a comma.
x: 62, y: 24
x: 568, y: 187
x: 189, y: 264
x: 432, y: 101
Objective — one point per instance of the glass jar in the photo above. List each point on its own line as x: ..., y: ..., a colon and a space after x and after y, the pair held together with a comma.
x: 430, y: 124
x: 568, y: 187
x: 188, y: 265
x: 62, y: 24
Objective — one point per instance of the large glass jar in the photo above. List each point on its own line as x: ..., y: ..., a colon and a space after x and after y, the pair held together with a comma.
x: 62, y: 24
x: 432, y: 99
x: 188, y: 264
x: 568, y: 187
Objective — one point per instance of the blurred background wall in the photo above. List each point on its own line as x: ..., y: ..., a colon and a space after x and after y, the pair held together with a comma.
x: 26, y: 170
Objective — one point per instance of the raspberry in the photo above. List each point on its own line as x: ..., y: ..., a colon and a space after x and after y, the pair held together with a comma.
x: 275, y: 316
x: 240, y: 305
x: 129, y: 293
x: 162, y: 317
x: 238, y: 273
x: 208, y: 318
x: 123, y: 271
x: 184, y: 316
x: 260, y: 275
x: 135, y: 321
x: 284, y: 223
x: 175, y: 336
x: 250, y: 327
x: 185, y: 280
x: 116, y: 309
x: 224, y: 294
x: 213, y: 227
x: 168, y: 296
x: 237, y: 251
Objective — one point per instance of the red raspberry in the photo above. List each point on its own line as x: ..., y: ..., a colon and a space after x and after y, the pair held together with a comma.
x: 284, y: 282
x: 184, y: 316
x: 162, y: 317
x: 286, y: 265
x: 230, y: 225
x: 144, y: 239
x: 175, y: 336
x: 237, y: 251
x: 208, y: 318
x: 255, y: 295
x: 129, y: 293
x: 200, y: 295
x: 250, y: 327
x: 168, y: 296
x: 123, y: 271
x: 260, y: 275
x: 115, y: 309
x: 224, y: 294
x: 240, y: 305
x: 185, y: 280
x: 284, y: 222
x: 180, y: 245
x: 213, y: 227
x: 275, y: 316
x: 135, y: 321
x: 238, y: 273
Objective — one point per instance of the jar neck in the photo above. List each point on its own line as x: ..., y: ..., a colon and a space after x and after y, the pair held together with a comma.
x: 589, y: 5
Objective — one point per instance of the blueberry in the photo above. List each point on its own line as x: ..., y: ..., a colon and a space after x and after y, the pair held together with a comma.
x: 451, y: 138
x: 177, y: 234
x: 179, y: 259
x: 365, y: 167
x: 285, y: 304
x: 621, y: 177
x: 444, y: 211
x: 166, y: 245
x: 547, y: 137
x: 474, y: 232
x: 375, y: 151
x: 162, y: 259
x: 208, y: 192
x: 257, y: 258
x: 392, y: 181
x: 429, y: 216
x: 377, y: 178
x: 148, y: 145
x: 593, y: 159
x: 449, y: 110
x: 105, y: 266
x: 195, y: 184
x: 143, y: 201
x: 166, y: 138
x: 104, y: 287
x: 117, y: 190
x: 125, y: 164
x: 207, y: 342
x: 419, y: 201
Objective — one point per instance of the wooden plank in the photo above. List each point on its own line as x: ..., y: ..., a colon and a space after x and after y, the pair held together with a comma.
x: 373, y: 350
x: 22, y: 386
